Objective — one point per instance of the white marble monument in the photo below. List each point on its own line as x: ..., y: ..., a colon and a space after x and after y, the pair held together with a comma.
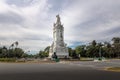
x: 58, y: 46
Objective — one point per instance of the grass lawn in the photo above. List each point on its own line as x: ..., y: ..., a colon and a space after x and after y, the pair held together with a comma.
x: 86, y: 59
x: 117, y: 69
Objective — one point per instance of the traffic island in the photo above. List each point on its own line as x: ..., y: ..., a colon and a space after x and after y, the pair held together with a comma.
x: 115, y: 69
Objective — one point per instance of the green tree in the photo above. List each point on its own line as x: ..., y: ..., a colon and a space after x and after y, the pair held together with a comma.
x: 74, y: 55
x: 11, y: 53
x: 92, y: 50
x: 46, y: 51
x: 80, y: 50
x: 24, y: 55
x: 116, y: 40
x: 18, y: 52
x: 42, y: 54
x: 3, y: 52
x: 70, y: 51
x: 94, y: 43
x: 116, y: 46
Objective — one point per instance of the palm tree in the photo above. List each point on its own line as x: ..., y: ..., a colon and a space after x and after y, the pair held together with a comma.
x: 12, y: 45
x: 16, y: 43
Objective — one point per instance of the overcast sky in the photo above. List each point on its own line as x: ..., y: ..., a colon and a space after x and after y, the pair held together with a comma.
x: 30, y: 22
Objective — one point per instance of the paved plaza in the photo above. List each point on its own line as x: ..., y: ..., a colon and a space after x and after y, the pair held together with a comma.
x: 87, y: 70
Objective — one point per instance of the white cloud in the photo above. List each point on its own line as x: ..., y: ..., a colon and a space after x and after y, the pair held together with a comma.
x: 31, y: 21
x: 30, y: 29
x: 91, y: 19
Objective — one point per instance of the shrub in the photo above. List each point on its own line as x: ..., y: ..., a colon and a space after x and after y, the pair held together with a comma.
x: 7, y: 59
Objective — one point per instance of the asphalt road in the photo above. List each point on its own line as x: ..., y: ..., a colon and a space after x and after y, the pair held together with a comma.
x: 59, y: 71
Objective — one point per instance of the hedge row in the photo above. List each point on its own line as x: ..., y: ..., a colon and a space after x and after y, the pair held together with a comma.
x: 7, y: 59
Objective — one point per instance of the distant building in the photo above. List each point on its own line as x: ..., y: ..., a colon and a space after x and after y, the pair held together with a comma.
x: 58, y: 46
